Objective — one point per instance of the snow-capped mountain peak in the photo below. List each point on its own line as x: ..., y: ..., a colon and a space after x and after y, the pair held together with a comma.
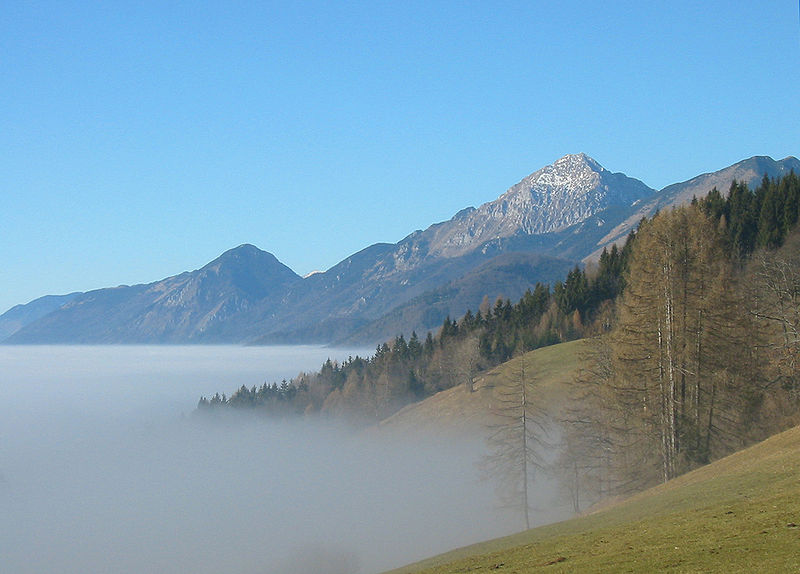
x: 559, y: 195
x: 574, y: 173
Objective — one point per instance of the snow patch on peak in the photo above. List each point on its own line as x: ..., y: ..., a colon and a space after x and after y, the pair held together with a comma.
x: 577, y: 159
x: 572, y: 174
x: 569, y: 191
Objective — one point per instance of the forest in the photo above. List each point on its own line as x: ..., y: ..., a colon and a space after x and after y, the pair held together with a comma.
x: 692, y: 345
x: 702, y: 357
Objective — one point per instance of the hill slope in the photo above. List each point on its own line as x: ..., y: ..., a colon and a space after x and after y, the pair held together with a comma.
x: 463, y: 413
x: 739, y: 514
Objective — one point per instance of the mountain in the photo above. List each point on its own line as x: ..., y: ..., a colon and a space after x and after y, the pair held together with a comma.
x: 21, y: 315
x: 552, y: 199
x: 194, y: 306
x: 554, y: 218
x: 534, y: 216
x: 749, y: 171
x: 507, y: 275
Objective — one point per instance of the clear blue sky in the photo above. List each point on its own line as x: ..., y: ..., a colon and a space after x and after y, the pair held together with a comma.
x: 142, y: 139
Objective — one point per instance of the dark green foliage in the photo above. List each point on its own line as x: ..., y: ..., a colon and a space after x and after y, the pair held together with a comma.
x: 332, y: 373
x: 449, y: 330
x: 573, y: 294
x: 609, y: 281
x: 429, y: 346
x: 770, y: 221
x: 789, y: 188
x: 415, y: 348
x: 755, y: 218
x: 742, y: 218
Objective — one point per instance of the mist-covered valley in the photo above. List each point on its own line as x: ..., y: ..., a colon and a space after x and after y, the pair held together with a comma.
x: 105, y: 468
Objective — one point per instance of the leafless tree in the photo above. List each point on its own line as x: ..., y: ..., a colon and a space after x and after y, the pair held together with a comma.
x: 517, y: 437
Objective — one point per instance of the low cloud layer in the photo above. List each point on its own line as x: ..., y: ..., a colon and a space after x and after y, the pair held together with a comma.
x: 90, y: 484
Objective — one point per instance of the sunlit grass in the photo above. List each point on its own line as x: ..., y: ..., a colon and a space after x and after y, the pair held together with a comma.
x: 740, y: 514
x: 456, y: 410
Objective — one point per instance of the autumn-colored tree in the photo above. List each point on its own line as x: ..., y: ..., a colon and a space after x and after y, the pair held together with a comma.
x: 682, y: 345
x: 776, y: 304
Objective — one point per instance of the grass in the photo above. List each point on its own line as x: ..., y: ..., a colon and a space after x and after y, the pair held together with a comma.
x: 739, y: 514
x: 460, y: 412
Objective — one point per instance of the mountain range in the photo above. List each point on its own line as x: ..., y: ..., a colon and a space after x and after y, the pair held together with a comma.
x: 562, y: 215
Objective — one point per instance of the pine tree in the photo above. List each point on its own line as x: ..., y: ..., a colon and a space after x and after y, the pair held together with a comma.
x: 771, y: 217
x: 742, y: 218
x: 790, y: 189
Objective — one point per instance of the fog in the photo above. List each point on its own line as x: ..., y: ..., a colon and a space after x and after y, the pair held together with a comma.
x: 104, y: 468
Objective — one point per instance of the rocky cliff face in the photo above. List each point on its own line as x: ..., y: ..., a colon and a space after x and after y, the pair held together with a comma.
x: 560, y: 195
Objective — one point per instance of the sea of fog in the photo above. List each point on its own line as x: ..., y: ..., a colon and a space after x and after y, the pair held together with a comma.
x: 104, y: 467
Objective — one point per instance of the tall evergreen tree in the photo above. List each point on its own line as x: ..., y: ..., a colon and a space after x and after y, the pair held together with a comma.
x: 771, y: 216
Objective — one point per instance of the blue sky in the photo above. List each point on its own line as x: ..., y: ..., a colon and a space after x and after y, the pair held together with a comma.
x: 142, y: 139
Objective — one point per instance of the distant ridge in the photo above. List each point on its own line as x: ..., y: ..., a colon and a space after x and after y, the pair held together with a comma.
x: 749, y: 171
x: 20, y: 315
x: 190, y: 307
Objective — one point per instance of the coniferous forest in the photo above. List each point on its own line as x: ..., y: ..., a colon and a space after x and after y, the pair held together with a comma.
x: 693, y: 339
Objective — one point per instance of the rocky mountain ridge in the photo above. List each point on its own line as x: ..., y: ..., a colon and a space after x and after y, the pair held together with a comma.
x: 749, y: 171
x: 535, y: 231
x: 566, y: 193
x: 190, y: 307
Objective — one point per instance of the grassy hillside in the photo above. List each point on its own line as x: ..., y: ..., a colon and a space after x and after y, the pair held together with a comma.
x: 457, y: 410
x: 739, y: 514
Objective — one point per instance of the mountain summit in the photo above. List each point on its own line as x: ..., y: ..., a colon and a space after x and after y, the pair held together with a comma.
x: 565, y: 193
x: 204, y: 305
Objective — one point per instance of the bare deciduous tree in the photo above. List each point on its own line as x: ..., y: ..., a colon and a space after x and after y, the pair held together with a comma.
x: 517, y: 438
x: 777, y: 282
x: 684, y: 360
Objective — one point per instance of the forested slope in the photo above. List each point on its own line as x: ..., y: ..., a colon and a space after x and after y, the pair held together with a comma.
x: 689, y: 353
x: 702, y: 358
x: 720, y: 247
